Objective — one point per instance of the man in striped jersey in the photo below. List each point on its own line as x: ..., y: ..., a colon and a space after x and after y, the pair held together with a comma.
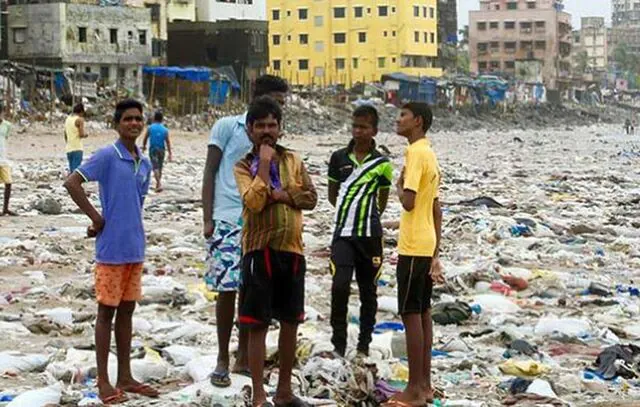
x: 359, y: 181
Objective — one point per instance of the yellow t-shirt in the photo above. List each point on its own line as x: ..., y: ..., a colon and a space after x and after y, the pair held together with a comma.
x: 421, y: 175
x: 74, y: 142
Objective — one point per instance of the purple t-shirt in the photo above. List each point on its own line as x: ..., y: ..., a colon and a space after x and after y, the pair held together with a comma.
x: 123, y: 184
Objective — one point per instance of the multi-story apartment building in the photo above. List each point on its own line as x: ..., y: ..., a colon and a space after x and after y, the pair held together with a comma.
x: 507, y: 33
x: 447, y: 34
x: 625, y: 21
x: 593, y: 41
x: 338, y: 42
x: 114, y: 42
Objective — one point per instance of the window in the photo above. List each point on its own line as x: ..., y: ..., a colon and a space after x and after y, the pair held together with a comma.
x: 482, y: 26
x: 318, y: 21
x: 495, y: 64
x: 358, y: 12
x: 426, y: 37
x: 424, y: 12
x: 304, y: 39
x: 275, y: 16
x: 362, y: 37
x: 339, y: 38
x: 383, y: 11
x: 416, y: 11
x: 134, y: 73
x: 121, y: 72
x: 525, y: 27
x: 393, y: 33
x: 509, y: 65
x: 510, y: 47
x: 319, y: 46
x: 303, y: 14
x: 303, y: 64
x: 339, y: 64
x: 531, y: 4
x: 354, y: 63
x: 381, y: 62
x: 288, y: 13
x: 495, y: 46
x: 155, y: 12
x: 416, y: 36
x: 87, y: 69
x: 433, y: 38
x: 289, y: 38
x: 509, y: 25
x: 482, y: 66
x: 82, y: 34
x: 432, y: 13
x: 540, y: 26
x: 482, y: 48
x: 493, y: 25
x: 130, y: 35
x: 541, y: 45
x: 385, y: 34
x: 393, y: 9
x: 104, y: 73
x: 393, y: 60
x: 276, y: 65
x: 276, y: 39
x: 113, y: 36
x: 19, y: 35
x: 526, y: 45
x: 339, y: 12
x: 512, y: 5
x: 142, y: 34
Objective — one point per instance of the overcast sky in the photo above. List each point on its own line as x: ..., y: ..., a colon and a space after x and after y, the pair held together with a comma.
x: 577, y: 9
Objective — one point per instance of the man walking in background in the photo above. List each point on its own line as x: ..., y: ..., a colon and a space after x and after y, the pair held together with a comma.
x: 73, y: 134
x: 160, y: 143
x: 5, y: 165
x: 222, y: 217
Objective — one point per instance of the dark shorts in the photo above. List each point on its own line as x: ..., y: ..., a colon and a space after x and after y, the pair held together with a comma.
x: 156, y: 155
x: 272, y: 287
x: 414, y: 284
x: 364, y: 253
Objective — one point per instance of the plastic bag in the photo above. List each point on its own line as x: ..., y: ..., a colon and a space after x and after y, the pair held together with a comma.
x: 492, y: 303
x: 48, y: 396
x: 567, y: 326
x: 16, y: 362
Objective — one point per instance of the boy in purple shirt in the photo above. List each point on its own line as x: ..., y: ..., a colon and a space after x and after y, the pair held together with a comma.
x: 123, y: 176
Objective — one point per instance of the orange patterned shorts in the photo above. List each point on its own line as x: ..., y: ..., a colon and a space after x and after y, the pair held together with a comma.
x: 118, y: 282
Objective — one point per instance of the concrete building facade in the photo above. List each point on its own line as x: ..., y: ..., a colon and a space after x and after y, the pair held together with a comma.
x: 593, y: 41
x: 241, y: 44
x: 181, y: 10
x: 625, y: 21
x: 114, y: 42
x: 337, y: 42
x: 216, y: 10
x: 504, y: 33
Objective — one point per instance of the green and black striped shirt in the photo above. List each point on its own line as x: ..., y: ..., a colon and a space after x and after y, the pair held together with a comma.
x: 357, y: 212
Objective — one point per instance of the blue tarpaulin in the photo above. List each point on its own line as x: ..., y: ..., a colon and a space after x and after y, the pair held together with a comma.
x: 190, y: 74
x: 428, y: 91
x: 218, y: 92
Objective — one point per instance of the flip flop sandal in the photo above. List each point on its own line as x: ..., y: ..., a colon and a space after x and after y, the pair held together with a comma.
x: 220, y: 379
x: 117, y: 398
x: 295, y: 402
x: 143, y: 390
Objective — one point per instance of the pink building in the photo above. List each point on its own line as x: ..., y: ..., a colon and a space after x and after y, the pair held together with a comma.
x: 506, y: 33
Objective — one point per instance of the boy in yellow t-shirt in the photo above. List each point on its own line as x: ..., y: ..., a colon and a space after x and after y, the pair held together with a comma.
x: 418, y: 264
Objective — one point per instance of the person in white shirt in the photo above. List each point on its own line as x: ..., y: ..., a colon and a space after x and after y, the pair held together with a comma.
x: 5, y: 167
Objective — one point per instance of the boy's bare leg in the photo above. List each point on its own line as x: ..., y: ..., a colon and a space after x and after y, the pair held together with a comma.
x: 257, y: 353
x: 287, y: 353
x: 103, y: 343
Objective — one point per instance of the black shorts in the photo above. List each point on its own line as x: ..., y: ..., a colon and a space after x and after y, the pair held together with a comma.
x: 272, y: 287
x: 415, y: 285
x: 363, y: 253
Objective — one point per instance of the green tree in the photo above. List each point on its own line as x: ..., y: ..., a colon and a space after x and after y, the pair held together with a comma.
x: 463, y: 36
x: 463, y: 62
x: 582, y: 62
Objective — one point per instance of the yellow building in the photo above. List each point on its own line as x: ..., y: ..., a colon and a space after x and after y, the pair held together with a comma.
x: 348, y: 41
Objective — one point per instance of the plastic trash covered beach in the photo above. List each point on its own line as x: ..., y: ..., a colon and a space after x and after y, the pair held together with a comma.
x: 541, y: 252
